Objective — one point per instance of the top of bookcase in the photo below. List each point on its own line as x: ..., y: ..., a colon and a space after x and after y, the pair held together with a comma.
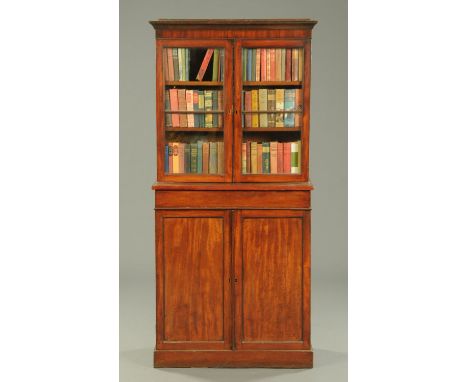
x: 232, y: 23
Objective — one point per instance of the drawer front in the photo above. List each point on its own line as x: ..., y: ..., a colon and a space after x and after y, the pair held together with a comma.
x: 233, y: 199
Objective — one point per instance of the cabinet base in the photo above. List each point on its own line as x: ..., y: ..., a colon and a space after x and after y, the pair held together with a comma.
x: 288, y: 359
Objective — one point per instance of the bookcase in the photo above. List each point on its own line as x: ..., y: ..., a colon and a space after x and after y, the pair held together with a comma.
x: 232, y: 193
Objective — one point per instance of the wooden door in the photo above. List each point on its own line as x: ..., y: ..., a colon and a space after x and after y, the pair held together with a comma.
x: 272, y: 279
x: 193, y: 266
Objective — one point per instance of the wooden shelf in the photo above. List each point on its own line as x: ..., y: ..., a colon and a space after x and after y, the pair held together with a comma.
x: 195, y: 129
x: 269, y: 129
x: 194, y: 111
x: 194, y: 83
x: 272, y: 83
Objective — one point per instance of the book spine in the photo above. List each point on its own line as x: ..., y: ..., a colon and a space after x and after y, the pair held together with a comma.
x: 265, y: 157
x: 244, y: 64
x: 175, y: 63
x: 208, y: 107
x: 300, y: 70
x: 287, y: 157
x: 274, y: 157
x: 254, y: 108
x: 181, y: 158
x: 220, y: 157
x: 249, y: 64
x: 167, y: 106
x: 221, y: 65
x: 299, y: 156
x: 196, y: 117
x: 174, y: 106
x: 199, y: 157
x: 294, y: 64
x: 215, y: 107
x: 189, y: 99
x: 220, y: 107
x: 277, y: 64
x: 253, y: 157
x: 175, y: 157
x: 247, y: 158
x: 213, y: 158
x: 204, y: 65
x: 180, y: 60
x: 187, y: 64
x: 193, y: 158
x: 248, y: 107
x: 257, y: 65
x: 279, y: 106
x: 268, y: 65
x: 254, y: 64
x: 283, y: 64
x: 263, y: 106
x: 170, y: 65
x: 259, y: 157
x: 289, y: 100
x: 166, y: 158
x: 206, y: 157
x: 280, y: 158
x: 263, y: 65
x: 201, y: 106
x: 287, y: 75
x: 171, y: 159
x: 165, y: 68
x: 215, y: 65
x: 187, y: 163
x: 298, y: 104
x: 272, y: 64
x: 294, y: 158
x: 244, y: 158
x: 182, y: 107
x: 271, y: 105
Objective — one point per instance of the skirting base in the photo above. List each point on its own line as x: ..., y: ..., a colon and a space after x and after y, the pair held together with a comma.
x: 289, y: 359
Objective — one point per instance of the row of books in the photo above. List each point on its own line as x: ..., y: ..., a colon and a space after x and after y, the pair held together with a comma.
x: 271, y: 157
x: 193, y: 100
x: 177, y: 64
x: 280, y: 64
x: 272, y: 100
x: 194, y: 158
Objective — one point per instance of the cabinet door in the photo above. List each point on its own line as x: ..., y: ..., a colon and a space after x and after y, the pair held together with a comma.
x: 272, y: 279
x: 193, y: 265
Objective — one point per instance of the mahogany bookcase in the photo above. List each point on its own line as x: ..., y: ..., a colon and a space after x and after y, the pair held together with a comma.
x: 232, y: 193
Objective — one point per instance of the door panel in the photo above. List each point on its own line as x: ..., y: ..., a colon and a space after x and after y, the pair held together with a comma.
x: 193, y: 280
x: 272, y: 272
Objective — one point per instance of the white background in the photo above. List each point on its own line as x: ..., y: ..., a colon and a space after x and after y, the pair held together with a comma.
x: 407, y: 190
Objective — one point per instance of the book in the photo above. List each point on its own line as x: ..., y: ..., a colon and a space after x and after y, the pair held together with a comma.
x: 174, y: 102
x: 247, y: 108
x: 181, y: 62
x: 187, y: 64
x: 273, y: 157
x: 221, y: 65
x: 204, y: 65
x: 287, y: 76
x: 294, y: 64
x: 181, y: 152
x: 187, y: 158
x: 259, y: 157
x: 213, y: 158
x: 170, y: 151
x: 271, y: 106
x: 170, y: 65
x: 175, y: 63
x: 182, y: 107
x: 165, y: 67
x: 287, y: 157
x: 215, y: 107
x: 249, y: 64
x: 244, y: 158
x: 280, y: 158
x: 298, y: 105
x: 277, y: 64
x: 283, y: 64
x: 166, y: 159
x: 193, y: 158
x: 206, y: 157
x: 299, y: 156
x: 253, y: 157
x: 189, y: 99
x: 254, y: 108
x: 254, y: 64
x: 175, y: 157
x: 220, y: 107
x: 272, y: 64
x: 247, y: 156
x: 294, y: 158
x: 215, y: 65
x: 265, y: 158
x: 268, y: 65
x: 300, y: 69
x: 257, y: 64
x: 201, y: 106
x: 289, y: 100
x: 244, y: 64
x: 208, y: 107
x: 220, y: 157
x: 279, y: 106
x: 263, y: 106
x: 199, y: 157
x: 167, y: 106
x: 263, y: 65
x: 196, y: 116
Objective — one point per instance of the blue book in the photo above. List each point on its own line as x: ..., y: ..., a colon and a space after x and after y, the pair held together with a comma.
x: 199, y: 157
x: 249, y: 65
x: 289, y: 100
x: 166, y: 159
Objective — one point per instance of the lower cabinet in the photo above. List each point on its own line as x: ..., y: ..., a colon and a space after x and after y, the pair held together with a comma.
x: 233, y: 288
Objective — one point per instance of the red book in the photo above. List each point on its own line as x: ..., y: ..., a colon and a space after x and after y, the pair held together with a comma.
x: 274, y: 157
x: 263, y: 67
x: 272, y: 64
x: 287, y: 77
x: 204, y: 64
x: 287, y: 157
x: 248, y: 107
x: 170, y: 65
x: 280, y: 158
x: 174, y: 107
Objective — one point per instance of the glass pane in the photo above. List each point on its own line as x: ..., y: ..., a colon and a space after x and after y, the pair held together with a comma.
x: 194, y: 111
x: 272, y: 110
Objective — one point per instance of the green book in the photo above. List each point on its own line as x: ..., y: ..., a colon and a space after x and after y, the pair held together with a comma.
x: 201, y: 106
x: 193, y: 157
x: 199, y: 157
x: 266, y: 157
x: 244, y: 64
x: 253, y: 66
x: 213, y: 169
x: 175, y: 61
x: 187, y: 158
x: 208, y: 107
x: 295, y: 157
x: 215, y: 65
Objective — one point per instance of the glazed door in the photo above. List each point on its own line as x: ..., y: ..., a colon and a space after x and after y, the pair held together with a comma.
x: 272, y: 279
x: 193, y: 265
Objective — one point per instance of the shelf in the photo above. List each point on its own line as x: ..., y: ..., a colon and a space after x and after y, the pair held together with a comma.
x: 194, y: 83
x: 272, y: 83
x: 195, y: 129
x: 272, y: 111
x: 194, y: 111
x: 269, y: 129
